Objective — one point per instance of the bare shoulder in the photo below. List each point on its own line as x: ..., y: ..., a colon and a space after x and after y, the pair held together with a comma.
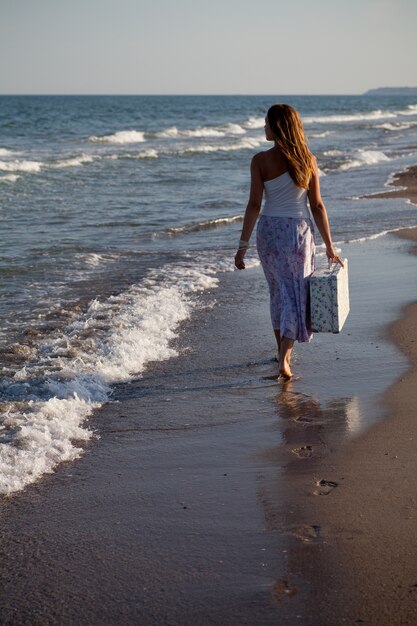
x: 262, y: 159
x: 259, y: 158
x: 257, y: 162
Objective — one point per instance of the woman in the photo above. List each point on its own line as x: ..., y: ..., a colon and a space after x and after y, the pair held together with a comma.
x: 288, y: 174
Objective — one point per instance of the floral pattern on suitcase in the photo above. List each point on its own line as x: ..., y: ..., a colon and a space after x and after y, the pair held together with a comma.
x: 329, y: 298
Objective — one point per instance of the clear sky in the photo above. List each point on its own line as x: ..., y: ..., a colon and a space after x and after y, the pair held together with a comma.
x: 210, y: 47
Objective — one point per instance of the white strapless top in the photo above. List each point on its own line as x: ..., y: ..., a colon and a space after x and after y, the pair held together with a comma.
x: 284, y: 199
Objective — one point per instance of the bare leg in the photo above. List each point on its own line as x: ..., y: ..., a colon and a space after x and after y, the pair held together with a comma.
x: 278, y: 338
x: 285, y: 357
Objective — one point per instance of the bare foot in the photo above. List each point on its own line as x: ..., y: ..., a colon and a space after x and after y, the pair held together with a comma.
x: 284, y: 368
x: 286, y: 374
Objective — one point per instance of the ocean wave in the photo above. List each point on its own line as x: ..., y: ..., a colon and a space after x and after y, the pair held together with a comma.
x: 70, y: 372
x: 202, y: 131
x: 382, y: 233
x: 121, y: 137
x: 150, y: 153
x: 74, y: 161
x: 396, y: 126
x: 333, y: 153
x: 243, y: 144
x: 233, y: 129
x: 9, y: 178
x: 254, y: 122
x: 172, y: 131
x: 145, y: 154
x: 410, y: 110
x: 6, y: 152
x: 92, y: 259
x: 351, y: 117
x: 228, y: 129
x: 199, y: 226
x: 326, y: 133
x: 21, y: 166
x: 364, y: 157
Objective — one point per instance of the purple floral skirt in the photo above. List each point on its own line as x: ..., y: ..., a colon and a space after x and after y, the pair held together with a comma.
x: 286, y: 249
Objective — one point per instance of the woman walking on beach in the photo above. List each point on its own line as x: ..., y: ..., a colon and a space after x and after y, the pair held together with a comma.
x: 288, y: 175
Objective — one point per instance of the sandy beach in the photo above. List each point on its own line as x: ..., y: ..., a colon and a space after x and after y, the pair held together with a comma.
x: 214, y: 495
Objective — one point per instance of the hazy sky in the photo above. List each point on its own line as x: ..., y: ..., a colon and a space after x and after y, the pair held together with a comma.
x: 215, y: 46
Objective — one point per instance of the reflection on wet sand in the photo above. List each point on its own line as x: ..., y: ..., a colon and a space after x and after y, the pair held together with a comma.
x: 313, y: 429
x: 309, y: 431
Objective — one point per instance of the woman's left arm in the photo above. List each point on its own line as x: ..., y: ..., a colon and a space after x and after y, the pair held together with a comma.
x: 252, y: 210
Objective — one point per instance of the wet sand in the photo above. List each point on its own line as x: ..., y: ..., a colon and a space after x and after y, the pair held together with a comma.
x: 370, y: 521
x: 214, y: 495
x: 407, y: 181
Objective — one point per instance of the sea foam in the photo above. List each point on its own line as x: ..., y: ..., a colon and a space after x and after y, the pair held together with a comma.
x: 201, y: 131
x: 9, y: 178
x: 45, y: 406
x: 21, y: 166
x: 74, y: 161
x: 396, y: 126
x: 199, y: 226
x: 351, y: 117
x: 364, y: 157
x: 121, y: 137
x: 243, y: 144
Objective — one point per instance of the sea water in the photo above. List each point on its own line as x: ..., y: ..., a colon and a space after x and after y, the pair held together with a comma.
x: 119, y: 211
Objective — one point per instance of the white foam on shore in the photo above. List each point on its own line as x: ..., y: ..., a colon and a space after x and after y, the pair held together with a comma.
x: 382, y: 233
x: 121, y: 137
x: 6, y: 152
x: 45, y: 406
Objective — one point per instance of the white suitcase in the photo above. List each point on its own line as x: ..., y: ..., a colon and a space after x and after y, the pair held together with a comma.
x: 329, y: 298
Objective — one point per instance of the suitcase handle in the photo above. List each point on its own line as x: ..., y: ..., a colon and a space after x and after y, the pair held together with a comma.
x: 334, y: 263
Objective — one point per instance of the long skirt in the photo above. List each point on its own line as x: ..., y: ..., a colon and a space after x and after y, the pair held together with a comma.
x: 286, y: 249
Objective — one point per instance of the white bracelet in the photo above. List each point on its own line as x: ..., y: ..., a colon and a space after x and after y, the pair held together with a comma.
x: 243, y: 245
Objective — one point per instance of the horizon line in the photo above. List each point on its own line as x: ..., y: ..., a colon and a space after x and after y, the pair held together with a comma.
x: 180, y: 95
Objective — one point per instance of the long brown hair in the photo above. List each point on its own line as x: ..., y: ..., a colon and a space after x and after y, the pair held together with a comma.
x: 287, y: 129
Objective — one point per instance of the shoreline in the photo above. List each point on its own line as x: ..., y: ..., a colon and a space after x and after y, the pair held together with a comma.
x: 216, y: 496
x: 406, y: 180
x: 370, y: 520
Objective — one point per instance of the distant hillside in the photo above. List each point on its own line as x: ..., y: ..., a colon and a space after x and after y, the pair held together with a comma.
x: 392, y: 91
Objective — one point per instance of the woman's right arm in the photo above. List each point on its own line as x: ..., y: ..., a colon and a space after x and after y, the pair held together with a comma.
x: 252, y: 209
x: 320, y: 214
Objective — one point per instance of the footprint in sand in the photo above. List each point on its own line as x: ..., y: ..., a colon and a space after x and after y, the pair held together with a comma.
x: 307, y: 534
x: 324, y: 487
x: 281, y: 589
x: 304, y: 452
